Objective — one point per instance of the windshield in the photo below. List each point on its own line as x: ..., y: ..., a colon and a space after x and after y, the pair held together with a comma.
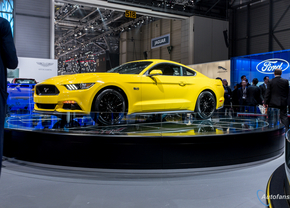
x: 131, y: 68
x: 25, y: 81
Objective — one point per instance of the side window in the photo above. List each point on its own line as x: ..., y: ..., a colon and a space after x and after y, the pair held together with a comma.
x: 188, y: 72
x: 168, y: 69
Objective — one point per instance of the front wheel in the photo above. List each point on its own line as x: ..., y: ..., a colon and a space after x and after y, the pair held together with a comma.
x: 205, y: 105
x: 109, y: 107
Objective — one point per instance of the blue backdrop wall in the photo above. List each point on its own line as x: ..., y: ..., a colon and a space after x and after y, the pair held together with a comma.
x: 259, y: 66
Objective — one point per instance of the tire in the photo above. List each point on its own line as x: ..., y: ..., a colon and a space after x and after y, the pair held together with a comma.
x: 205, y: 105
x: 109, y: 107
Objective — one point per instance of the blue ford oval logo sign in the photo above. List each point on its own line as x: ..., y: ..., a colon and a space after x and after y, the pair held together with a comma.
x: 268, y: 66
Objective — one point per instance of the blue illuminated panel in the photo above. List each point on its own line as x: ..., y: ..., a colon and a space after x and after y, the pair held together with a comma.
x: 6, y: 11
x: 259, y: 66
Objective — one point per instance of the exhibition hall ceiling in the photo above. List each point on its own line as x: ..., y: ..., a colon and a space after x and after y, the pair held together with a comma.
x: 82, y: 29
x: 86, y: 29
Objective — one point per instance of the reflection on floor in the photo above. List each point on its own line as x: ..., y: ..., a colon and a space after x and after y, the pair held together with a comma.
x: 27, y: 185
x: 166, y: 125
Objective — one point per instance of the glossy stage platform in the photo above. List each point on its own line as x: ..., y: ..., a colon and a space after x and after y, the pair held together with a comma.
x: 157, y: 141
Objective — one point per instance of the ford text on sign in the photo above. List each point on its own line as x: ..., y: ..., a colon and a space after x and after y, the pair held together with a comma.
x: 160, y: 41
x: 268, y: 66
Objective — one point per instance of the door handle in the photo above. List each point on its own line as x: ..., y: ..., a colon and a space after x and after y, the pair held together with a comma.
x: 182, y: 84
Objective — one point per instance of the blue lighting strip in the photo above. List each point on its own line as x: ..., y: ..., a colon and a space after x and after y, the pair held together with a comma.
x: 6, y: 11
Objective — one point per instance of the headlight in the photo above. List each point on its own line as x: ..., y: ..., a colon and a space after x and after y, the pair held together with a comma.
x: 81, y: 86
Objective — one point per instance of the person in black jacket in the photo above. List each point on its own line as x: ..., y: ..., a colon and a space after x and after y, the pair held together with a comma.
x: 263, y: 87
x: 277, y: 94
x: 242, y: 95
x: 228, y: 96
x: 243, y: 78
x: 228, y: 93
x: 8, y: 59
x: 254, y: 95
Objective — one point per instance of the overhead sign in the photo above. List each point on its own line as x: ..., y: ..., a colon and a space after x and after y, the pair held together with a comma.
x: 130, y: 14
x: 268, y: 66
x: 160, y: 41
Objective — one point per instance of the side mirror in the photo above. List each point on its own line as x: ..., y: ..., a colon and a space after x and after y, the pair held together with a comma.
x: 155, y: 72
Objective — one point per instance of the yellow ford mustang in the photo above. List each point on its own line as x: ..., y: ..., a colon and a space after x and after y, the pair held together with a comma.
x: 134, y: 87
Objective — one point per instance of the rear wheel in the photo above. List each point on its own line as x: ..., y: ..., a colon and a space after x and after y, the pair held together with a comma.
x: 205, y: 105
x: 109, y: 107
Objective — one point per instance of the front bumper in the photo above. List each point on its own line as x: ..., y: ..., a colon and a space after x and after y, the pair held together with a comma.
x: 81, y: 101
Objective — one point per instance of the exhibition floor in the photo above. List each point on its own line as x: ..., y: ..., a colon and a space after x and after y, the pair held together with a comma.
x: 27, y: 185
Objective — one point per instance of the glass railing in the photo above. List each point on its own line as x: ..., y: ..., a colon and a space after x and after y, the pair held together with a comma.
x: 225, y: 121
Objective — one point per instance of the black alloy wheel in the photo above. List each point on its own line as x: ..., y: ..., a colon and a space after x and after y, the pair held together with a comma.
x: 205, y: 105
x: 109, y: 107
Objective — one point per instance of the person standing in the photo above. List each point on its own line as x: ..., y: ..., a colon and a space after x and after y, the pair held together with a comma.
x: 263, y: 87
x: 227, y: 96
x: 227, y: 93
x: 243, y: 78
x: 235, y: 98
x: 8, y: 59
x: 242, y: 95
x: 277, y: 94
x: 254, y: 95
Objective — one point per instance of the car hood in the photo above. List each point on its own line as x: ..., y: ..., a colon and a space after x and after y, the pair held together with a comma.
x: 77, y: 78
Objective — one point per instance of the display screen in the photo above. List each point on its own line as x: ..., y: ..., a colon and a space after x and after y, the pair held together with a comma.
x: 6, y: 11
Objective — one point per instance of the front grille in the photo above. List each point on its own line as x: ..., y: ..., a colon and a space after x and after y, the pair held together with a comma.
x: 46, y: 106
x: 46, y: 90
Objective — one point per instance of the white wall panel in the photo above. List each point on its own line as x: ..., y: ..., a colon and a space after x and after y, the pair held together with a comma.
x: 38, y: 69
